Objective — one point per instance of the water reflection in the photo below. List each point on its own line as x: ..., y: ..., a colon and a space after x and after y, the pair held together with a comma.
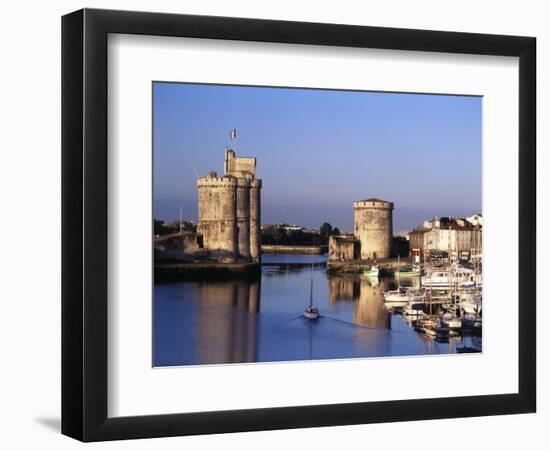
x: 261, y: 319
x: 365, y: 295
x: 226, y: 321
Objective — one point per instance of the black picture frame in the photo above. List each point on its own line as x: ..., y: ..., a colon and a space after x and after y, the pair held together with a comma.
x: 84, y: 224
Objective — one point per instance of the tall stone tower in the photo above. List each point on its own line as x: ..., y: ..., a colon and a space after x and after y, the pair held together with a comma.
x: 373, y: 226
x: 229, y: 210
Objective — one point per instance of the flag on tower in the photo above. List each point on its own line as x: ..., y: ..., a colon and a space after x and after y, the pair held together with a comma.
x: 233, y: 134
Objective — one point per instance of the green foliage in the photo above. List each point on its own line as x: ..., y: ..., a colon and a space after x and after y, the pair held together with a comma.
x: 280, y: 236
x: 277, y: 235
x: 160, y: 228
x: 326, y: 230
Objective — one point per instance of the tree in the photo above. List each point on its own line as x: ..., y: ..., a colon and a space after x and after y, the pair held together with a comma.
x: 160, y: 228
x: 325, y: 230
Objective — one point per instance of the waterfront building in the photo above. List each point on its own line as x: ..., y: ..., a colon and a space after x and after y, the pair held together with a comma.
x: 475, y: 220
x: 343, y: 248
x: 461, y: 237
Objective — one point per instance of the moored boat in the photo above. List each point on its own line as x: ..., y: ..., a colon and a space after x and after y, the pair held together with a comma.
x: 453, y: 276
x: 427, y: 325
x: 450, y: 321
x: 372, y: 272
x: 408, y: 271
x: 412, y: 310
x: 397, y: 297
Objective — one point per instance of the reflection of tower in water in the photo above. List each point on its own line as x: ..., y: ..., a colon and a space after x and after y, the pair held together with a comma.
x: 344, y: 288
x: 369, y: 309
x: 368, y: 304
x: 226, y: 321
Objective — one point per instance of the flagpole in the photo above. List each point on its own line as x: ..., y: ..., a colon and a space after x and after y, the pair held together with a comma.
x: 233, y: 137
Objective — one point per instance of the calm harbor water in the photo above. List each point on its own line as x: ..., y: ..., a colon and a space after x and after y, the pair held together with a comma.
x: 236, y: 321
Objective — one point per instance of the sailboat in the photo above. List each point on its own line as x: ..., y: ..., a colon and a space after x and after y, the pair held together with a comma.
x: 311, y: 312
x: 427, y: 323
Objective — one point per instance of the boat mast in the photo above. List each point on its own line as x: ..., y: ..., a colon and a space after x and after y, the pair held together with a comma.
x: 311, y: 287
x: 398, y: 272
x: 476, y: 252
x: 430, y: 301
x: 450, y: 267
x: 181, y: 219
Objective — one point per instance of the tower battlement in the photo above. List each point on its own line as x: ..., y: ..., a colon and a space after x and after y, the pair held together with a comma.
x: 372, y: 203
x: 215, y: 181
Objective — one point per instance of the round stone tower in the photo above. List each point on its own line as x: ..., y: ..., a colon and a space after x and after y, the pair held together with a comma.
x: 373, y: 226
x: 255, y: 221
x: 217, y: 214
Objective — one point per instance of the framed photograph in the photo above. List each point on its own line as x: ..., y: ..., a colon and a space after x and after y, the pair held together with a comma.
x: 272, y: 224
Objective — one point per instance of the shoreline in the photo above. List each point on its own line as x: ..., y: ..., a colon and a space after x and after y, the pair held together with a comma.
x: 386, y: 265
x: 294, y: 249
x: 176, y: 270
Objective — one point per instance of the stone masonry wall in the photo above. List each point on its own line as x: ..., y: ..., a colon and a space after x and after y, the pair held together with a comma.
x: 217, y: 215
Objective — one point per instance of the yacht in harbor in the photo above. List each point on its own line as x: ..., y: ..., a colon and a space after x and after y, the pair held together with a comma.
x: 445, y: 278
x: 403, y: 295
x: 396, y: 297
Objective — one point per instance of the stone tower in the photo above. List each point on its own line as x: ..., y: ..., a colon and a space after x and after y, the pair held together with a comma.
x: 373, y: 226
x: 229, y: 210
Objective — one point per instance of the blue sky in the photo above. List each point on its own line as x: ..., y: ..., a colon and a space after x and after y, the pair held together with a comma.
x: 319, y: 150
